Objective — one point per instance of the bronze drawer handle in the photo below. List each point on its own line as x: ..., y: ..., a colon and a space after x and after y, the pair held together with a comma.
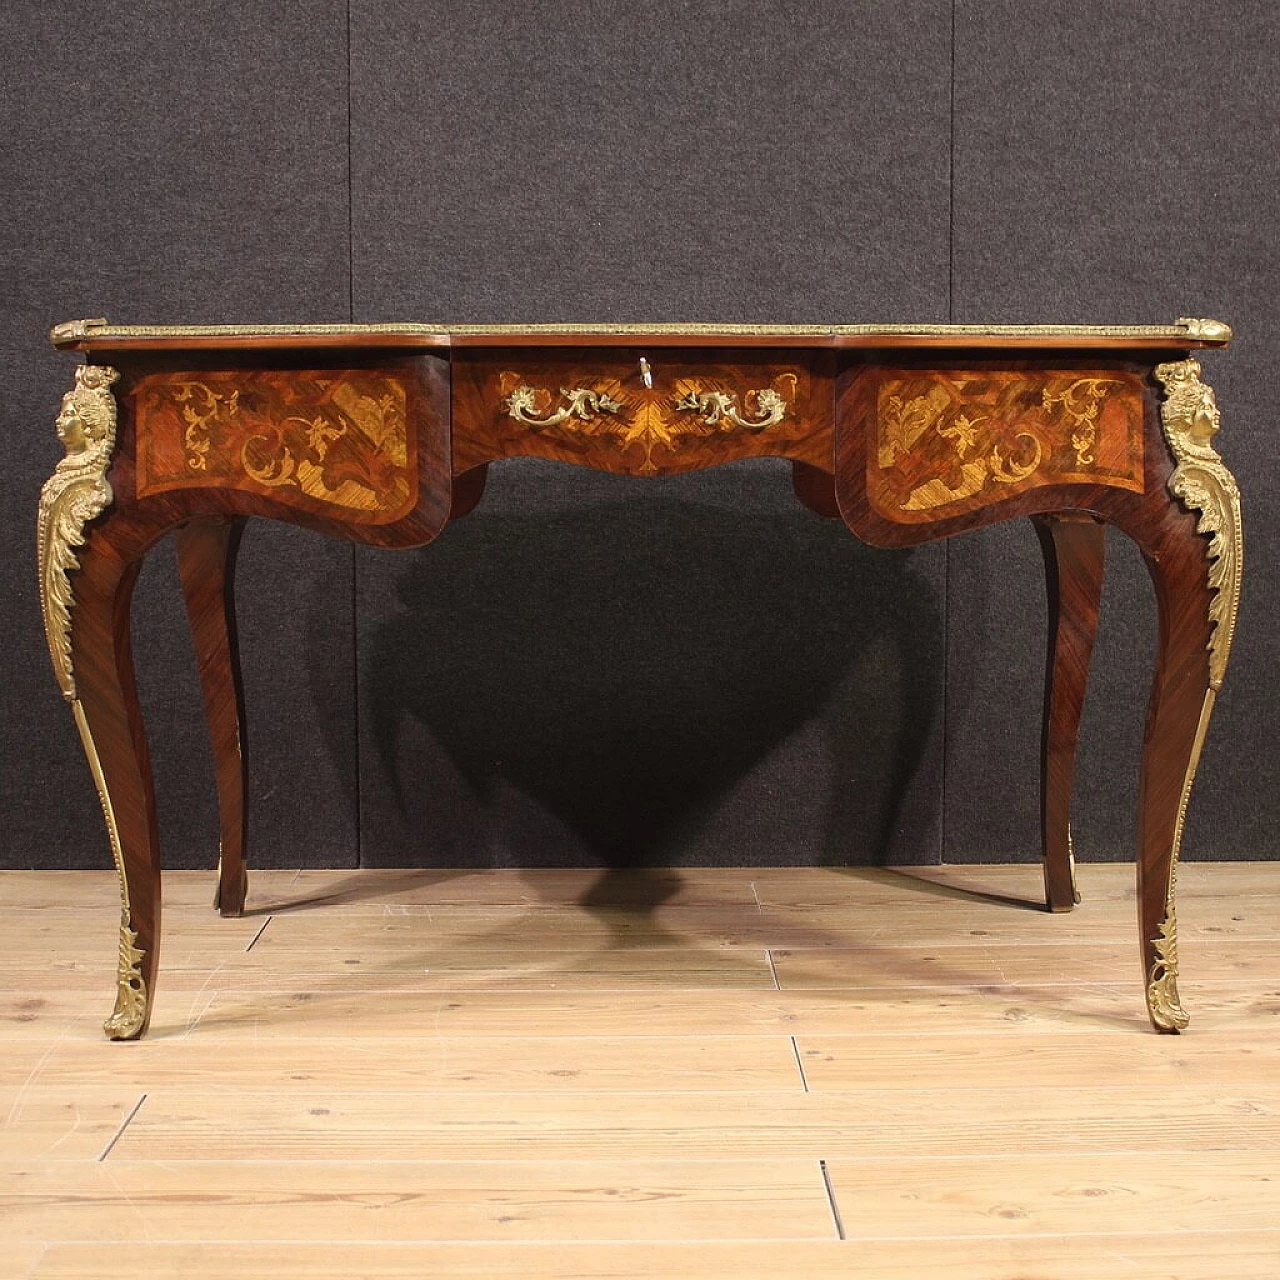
x: 720, y: 409
x: 584, y: 404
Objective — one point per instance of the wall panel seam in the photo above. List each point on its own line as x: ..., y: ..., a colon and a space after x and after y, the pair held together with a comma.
x: 946, y: 546
x: 358, y: 808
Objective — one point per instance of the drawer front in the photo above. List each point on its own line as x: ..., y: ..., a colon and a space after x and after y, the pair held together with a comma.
x: 640, y: 413
x: 944, y: 443
x: 334, y: 442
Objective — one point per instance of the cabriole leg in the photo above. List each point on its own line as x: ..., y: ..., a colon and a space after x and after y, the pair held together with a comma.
x: 109, y: 719
x: 206, y: 564
x: 85, y: 596
x: 1074, y: 550
x: 1181, y: 703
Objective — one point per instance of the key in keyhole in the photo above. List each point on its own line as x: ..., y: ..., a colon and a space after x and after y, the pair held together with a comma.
x: 646, y: 374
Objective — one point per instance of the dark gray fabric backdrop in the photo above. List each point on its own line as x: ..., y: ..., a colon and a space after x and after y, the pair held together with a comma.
x: 590, y: 669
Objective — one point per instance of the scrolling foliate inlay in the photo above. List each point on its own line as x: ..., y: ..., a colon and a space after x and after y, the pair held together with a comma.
x: 657, y: 418
x: 1201, y: 482
x: 322, y: 439
x: 1080, y: 403
x: 947, y: 442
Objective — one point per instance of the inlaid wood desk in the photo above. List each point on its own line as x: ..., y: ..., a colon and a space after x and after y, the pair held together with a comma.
x: 382, y: 434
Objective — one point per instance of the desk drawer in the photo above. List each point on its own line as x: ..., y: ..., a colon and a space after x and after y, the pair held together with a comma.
x: 950, y: 446
x: 358, y: 447
x: 641, y: 412
x: 332, y: 441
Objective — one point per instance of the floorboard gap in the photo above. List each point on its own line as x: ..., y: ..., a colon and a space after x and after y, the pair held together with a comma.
x: 831, y: 1200
x: 804, y: 1080
x: 119, y: 1133
x: 254, y: 940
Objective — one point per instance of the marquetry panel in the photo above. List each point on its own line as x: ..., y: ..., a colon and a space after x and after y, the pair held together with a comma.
x: 941, y: 443
x: 640, y: 414
x: 332, y: 441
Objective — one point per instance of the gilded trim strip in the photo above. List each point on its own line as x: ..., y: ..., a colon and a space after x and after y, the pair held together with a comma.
x: 130, y: 1013
x: 1197, y: 331
x: 1201, y: 482
x: 76, y: 493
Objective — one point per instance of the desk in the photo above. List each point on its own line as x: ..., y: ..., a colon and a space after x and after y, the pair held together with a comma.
x: 382, y: 434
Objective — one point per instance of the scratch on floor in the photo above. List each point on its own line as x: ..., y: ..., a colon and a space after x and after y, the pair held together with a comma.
x: 141, y: 1215
x: 1120, y: 1257
x: 194, y: 1014
x: 74, y: 1128
x: 15, y: 1111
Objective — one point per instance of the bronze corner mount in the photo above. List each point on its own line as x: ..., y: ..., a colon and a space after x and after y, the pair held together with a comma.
x: 75, y: 330
x: 1206, y: 330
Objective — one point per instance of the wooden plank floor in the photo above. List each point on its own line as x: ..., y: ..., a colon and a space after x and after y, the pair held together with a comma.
x: 739, y: 1073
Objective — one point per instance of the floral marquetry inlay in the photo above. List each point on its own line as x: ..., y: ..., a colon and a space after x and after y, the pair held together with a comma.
x: 947, y: 442
x: 322, y: 439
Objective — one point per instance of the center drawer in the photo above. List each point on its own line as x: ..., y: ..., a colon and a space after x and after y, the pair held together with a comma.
x: 641, y: 412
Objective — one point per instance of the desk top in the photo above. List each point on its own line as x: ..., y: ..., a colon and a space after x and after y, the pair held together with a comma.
x: 88, y: 335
